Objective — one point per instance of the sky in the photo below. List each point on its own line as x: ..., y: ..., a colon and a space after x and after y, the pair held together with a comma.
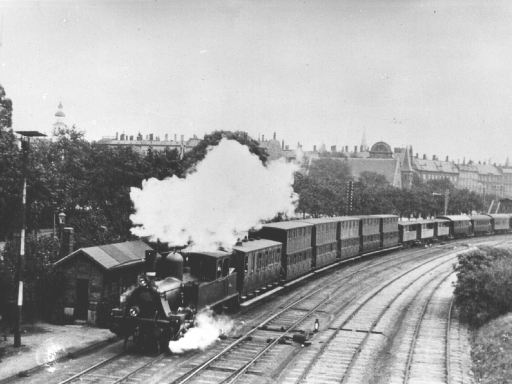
x: 435, y: 75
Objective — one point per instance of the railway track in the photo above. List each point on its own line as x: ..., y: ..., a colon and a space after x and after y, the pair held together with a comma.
x: 260, y: 350
x: 265, y: 343
x: 361, y: 330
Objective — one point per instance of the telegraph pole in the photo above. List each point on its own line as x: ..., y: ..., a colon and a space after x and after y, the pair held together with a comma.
x: 25, y: 148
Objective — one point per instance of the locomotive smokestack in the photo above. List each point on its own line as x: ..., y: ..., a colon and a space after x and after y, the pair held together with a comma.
x: 150, y: 264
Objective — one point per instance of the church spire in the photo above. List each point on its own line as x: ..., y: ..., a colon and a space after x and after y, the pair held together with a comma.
x: 364, y: 146
x: 59, y: 124
x: 407, y: 170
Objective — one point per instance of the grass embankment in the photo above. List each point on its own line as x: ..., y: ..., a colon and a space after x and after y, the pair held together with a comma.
x: 484, y: 296
x: 492, y: 352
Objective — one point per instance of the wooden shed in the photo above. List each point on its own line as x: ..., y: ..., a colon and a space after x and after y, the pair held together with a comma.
x: 95, y: 273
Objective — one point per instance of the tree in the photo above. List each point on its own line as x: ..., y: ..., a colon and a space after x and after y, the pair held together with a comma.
x: 10, y: 168
x: 198, y: 153
x: 330, y: 169
x: 5, y: 111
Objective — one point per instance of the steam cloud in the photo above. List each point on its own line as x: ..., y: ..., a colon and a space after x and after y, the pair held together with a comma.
x: 230, y: 192
x: 207, y: 330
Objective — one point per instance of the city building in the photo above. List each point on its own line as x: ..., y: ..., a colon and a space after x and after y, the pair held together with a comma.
x: 277, y: 150
x: 142, y: 145
x: 435, y: 169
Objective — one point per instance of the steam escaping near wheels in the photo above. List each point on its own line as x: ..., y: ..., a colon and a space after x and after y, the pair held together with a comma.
x: 207, y: 331
x: 230, y: 192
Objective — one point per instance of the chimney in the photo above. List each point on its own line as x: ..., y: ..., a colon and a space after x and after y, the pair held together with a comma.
x: 282, y: 145
x: 355, y: 149
x: 117, y: 135
x: 68, y: 240
x: 333, y: 148
x: 151, y: 137
x: 314, y: 148
x: 274, y: 135
x: 361, y: 149
x: 424, y: 157
x: 166, y: 137
x: 131, y: 138
x: 262, y: 137
x: 346, y: 148
x: 464, y: 160
x: 150, y: 264
x: 122, y: 136
x: 175, y: 138
x: 417, y: 155
x: 447, y: 159
x: 182, y: 138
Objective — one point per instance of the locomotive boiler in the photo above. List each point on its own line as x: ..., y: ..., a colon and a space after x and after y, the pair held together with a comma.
x: 169, y: 295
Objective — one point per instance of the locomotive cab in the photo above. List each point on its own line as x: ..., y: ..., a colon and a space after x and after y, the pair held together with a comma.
x: 209, y: 280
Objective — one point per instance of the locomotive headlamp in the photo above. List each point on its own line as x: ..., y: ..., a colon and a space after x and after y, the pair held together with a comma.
x: 134, y: 311
x: 143, y: 281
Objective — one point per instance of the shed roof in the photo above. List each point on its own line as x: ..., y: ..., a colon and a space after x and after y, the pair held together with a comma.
x: 112, y: 255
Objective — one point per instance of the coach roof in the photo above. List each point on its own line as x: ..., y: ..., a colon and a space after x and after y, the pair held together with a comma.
x: 286, y: 225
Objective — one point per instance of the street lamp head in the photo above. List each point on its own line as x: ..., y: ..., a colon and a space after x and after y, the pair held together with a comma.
x: 62, y: 218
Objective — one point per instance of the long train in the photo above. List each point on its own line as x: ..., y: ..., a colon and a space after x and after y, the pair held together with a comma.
x: 176, y: 286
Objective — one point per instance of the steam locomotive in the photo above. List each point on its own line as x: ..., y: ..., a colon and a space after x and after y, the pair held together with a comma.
x: 177, y: 286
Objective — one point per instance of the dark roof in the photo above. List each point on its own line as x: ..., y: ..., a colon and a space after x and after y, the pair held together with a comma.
x: 389, y: 168
x: 253, y: 245
x: 113, y: 255
x: 288, y: 225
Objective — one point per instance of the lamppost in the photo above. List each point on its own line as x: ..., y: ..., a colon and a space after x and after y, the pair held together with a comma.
x: 25, y: 148
x: 62, y: 221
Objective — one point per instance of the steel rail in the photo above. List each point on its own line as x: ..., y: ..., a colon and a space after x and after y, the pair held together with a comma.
x: 410, y: 355
x: 189, y: 375
x: 233, y: 377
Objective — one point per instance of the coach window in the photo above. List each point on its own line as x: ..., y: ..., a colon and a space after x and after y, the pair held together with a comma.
x: 258, y: 265
x: 246, y: 265
x: 225, y: 267
x: 219, y: 269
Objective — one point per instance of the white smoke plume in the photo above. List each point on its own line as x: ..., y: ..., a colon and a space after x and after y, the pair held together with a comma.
x: 208, y: 329
x: 230, y: 192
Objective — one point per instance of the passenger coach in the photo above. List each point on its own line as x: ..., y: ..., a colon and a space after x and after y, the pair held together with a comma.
x: 323, y: 241
x: 296, y: 252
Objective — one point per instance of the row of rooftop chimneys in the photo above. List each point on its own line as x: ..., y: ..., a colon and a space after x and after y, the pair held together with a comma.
x: 149, y: 137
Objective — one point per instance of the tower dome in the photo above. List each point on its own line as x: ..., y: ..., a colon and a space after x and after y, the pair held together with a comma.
x: 60, y: 121
x: 381, y: 150
x: 59, y: 112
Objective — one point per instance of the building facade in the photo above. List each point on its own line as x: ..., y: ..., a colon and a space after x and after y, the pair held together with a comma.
x: 142, y: 145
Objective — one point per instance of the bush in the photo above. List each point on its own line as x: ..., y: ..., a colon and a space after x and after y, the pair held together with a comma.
x: 484, y: 287
x: 42, y: 285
